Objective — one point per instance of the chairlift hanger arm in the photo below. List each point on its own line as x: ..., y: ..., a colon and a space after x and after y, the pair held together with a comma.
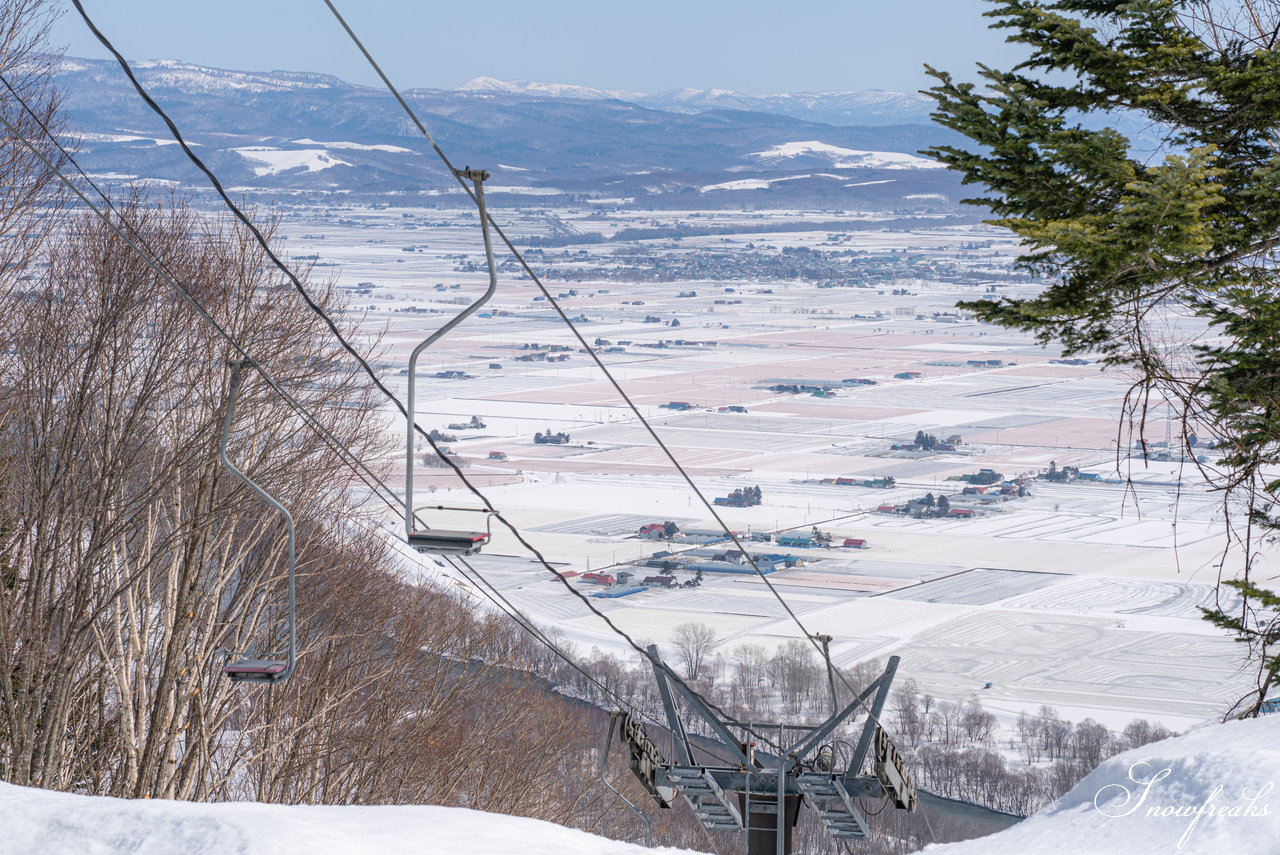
x: 478, y: 177
x: 255, y: 669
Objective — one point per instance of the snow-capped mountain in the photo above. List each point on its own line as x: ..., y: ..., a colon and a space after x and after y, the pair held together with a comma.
x: 873, y: 107
x: 549, y: 90
x: 844, y: 158
x: 175, y: 74
x: 305, y: 132
x: 834, y: 108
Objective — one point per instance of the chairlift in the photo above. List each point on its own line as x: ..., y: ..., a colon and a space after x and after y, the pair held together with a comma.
x: 257, y: 666
x: 433, y: 540
x: 447, y: 541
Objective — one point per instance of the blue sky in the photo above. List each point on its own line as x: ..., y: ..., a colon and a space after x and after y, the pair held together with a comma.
x: 651, y: 46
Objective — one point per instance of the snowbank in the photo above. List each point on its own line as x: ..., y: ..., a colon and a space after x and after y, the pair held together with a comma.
x: 39, y: 822
x: 1210, y: 791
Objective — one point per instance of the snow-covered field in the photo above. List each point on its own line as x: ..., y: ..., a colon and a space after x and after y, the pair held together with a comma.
x: 1082, y: 595
x: 847, y: 158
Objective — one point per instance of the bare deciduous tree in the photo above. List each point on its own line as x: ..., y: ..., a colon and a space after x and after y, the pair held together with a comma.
x: 694, y: 642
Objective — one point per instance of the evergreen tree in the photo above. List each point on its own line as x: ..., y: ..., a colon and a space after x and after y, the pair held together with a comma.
x: 1124, y: 238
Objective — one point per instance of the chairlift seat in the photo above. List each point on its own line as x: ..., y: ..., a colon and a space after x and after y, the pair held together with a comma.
x: 254, y: 670
x: 444, y: 541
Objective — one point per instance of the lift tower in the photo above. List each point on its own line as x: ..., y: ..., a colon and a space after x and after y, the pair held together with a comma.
x: 761, y: 795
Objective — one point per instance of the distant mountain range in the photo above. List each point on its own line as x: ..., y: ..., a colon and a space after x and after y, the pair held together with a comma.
x: 314, y: 134
x: 832, y: 108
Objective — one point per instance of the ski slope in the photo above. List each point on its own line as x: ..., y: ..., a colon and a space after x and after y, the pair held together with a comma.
x: 40, y: 822
x: 1209, y: 791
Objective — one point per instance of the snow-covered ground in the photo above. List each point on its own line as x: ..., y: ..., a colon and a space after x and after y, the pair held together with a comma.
x: 1211, y: 791
x: 40, y: 822
x: 847, y: 158
x: 277, y: 160
x: 1207, y: 792
x: 1082, y: 596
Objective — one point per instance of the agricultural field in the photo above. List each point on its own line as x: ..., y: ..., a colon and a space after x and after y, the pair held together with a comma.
x: 1081, y: 593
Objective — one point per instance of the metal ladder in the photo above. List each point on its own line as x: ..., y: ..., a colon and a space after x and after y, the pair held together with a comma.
x: 712, y: 807
x: 839, y: 813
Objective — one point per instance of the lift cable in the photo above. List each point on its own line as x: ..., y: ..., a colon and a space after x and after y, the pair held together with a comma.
x: 138, y: 244
x: 495, y: 596
x: 551, y: 301
x: 195, y: 159
x: 525, y: 621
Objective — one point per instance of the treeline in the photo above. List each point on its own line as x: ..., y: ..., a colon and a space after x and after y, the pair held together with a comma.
x: 683, y: 231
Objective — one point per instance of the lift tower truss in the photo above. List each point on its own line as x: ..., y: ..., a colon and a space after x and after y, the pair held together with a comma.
x: 761, y: 794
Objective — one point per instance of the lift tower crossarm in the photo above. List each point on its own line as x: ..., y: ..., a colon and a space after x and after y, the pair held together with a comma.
x: 873, y: 720
x: 663, y: 673
x: 814, y: 739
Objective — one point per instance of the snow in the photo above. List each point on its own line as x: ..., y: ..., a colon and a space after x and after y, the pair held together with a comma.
x: 64, y: 824
x: 762, y: 183
x: 553, y: 90
x: 278, y: 160
x: 91, y: 137
x: 1208, y: 791
x: 847, y: 158
x: 395, y: 149
x: 190, y: 77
